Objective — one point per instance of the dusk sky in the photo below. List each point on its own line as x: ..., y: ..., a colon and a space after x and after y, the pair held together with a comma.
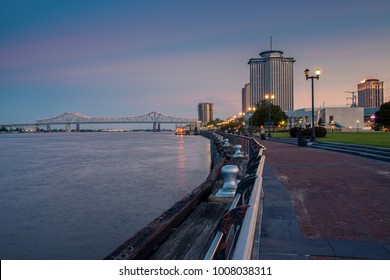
x: 128, y: 58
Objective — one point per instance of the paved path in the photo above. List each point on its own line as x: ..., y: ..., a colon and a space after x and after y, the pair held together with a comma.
x: 323, y: 204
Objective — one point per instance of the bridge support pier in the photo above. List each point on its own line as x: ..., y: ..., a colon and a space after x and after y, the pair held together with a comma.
x: 48, y: 128
x: 156, y: 127
x: 78, y: 127
x: 67, y: 127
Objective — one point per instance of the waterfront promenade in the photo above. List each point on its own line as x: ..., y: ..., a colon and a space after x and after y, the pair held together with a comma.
x: 324, y: 205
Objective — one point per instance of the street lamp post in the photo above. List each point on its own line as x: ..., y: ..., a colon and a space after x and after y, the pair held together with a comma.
x: 250, y: 116
x: 357, y: 126
x: 251, y: 110
x: 270, y: 97
x: 240, y: 119
x: 307, y: 73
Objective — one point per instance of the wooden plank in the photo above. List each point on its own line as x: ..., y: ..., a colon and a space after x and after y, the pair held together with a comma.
x: 193, y: 238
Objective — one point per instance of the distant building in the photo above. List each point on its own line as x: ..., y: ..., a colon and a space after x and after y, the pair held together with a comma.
x: 246, y: 98
x: 302, y: 117
x: 340, y: 118
x: 369, y: 115
x: 345, y: 118
x: 206, y: 112
x: 272, y: 74
x: 370, y: 93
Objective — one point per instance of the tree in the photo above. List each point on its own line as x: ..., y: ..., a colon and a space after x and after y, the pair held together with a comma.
x: 215, y: 122
x: 261, y: 115
x: 382, y: 116
x: 3, y: 129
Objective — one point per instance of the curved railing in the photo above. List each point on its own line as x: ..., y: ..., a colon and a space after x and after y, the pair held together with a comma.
x: 245, y: 210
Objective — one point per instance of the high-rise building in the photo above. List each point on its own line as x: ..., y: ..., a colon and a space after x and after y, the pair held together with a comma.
x: 206, y: 112
x: 272, y: 74
x: 246, y: 97
x: 370, y: 93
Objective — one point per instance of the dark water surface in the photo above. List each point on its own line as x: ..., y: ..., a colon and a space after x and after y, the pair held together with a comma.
x: 80, y: 195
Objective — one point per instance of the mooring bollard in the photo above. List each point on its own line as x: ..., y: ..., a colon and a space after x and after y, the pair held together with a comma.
x: 229, y: 187
x: 237, y: 151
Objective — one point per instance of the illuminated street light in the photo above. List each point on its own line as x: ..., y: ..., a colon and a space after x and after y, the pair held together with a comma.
x: 251, y: 109
x: 307, y: 73
x: 270, y: 97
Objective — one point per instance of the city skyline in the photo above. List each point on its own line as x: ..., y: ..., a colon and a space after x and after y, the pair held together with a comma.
x: 129, y: 58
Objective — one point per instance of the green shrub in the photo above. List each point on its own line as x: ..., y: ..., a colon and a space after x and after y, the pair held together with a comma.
x: 319, y: 130
x: 295, y: 131
x: 306, y: 132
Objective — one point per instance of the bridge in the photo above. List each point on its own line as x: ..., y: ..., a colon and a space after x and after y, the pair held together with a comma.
x: 68, y: 118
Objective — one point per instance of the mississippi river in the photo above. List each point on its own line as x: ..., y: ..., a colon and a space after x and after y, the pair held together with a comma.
x: 80, y: 195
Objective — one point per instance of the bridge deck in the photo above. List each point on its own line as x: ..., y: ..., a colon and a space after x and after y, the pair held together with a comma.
x: 77, y: 118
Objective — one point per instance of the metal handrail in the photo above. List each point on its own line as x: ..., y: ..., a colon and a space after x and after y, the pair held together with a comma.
x: 244, y: 242
x: 219, y: 235
x: 239, y: 199
x: 244, y: 245
x: 246, y: 142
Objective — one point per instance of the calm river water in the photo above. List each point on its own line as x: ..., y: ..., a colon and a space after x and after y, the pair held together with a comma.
x: 80, y: 195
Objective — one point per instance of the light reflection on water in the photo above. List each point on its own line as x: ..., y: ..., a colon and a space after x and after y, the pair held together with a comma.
x: 80, y: 195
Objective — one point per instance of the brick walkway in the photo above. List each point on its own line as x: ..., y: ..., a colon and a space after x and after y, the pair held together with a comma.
x: 322, y: 203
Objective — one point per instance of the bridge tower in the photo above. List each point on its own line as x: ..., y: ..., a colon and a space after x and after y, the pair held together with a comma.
x: 156, y: 127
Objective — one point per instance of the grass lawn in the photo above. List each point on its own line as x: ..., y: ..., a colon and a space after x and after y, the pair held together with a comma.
x: 280, y: 134
x: 378, y: 139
